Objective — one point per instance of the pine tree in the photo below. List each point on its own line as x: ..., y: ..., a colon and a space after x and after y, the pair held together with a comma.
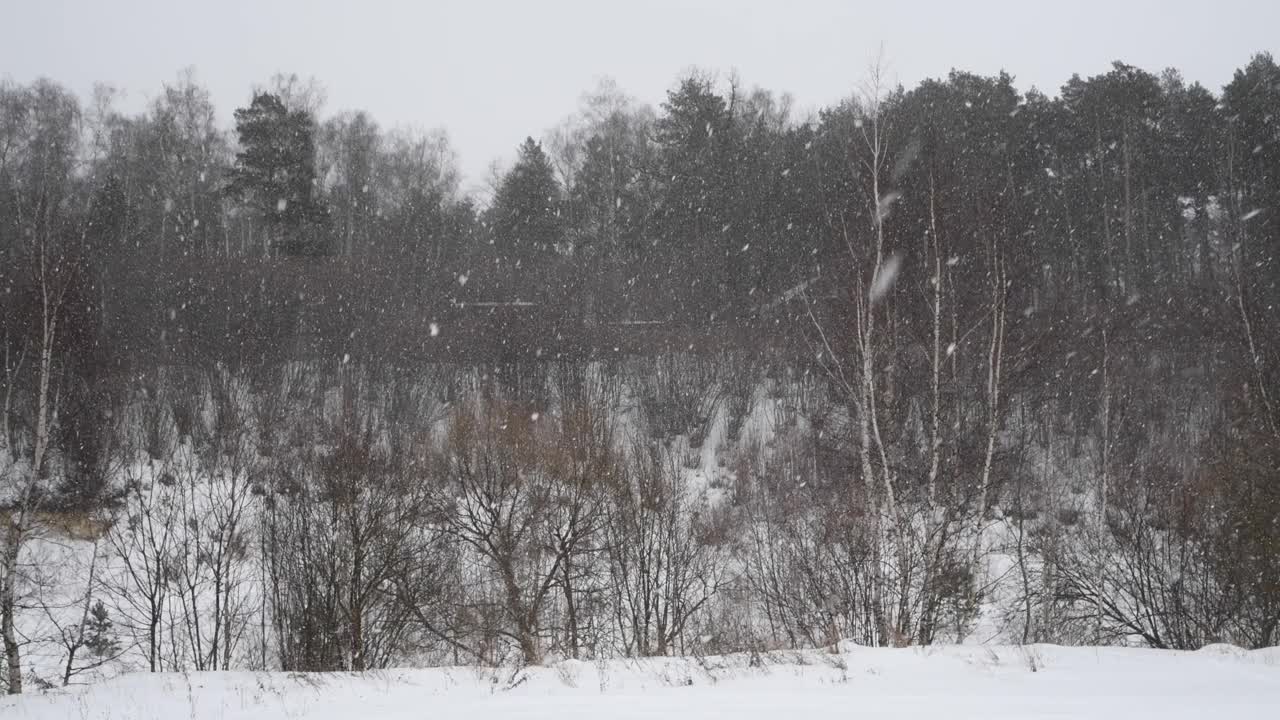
x: 695, y: 140
x: 275, y: 172
x: 525, y: 216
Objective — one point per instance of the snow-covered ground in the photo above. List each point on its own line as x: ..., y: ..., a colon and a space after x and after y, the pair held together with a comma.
x: 940, y: 682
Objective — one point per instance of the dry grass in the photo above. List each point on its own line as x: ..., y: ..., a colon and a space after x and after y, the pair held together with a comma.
x: 81, y: 526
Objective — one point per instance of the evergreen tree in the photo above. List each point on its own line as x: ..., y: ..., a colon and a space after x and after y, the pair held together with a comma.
x: 275, y: 172
x: 694, y: 137
x: 1252, y: 109
x: 90, y: 355
x: 525, y: 219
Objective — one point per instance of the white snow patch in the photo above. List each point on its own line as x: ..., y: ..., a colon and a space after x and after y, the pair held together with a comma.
x: 990, y: 683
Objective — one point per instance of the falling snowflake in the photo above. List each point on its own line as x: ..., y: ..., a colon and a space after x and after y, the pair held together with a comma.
x: 882, y: 208
x: 885, y: 276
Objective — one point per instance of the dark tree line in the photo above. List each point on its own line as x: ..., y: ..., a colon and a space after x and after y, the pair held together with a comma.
x: 957, y: 304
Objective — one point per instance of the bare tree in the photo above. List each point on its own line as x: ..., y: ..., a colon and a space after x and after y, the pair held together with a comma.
x: 142, y: 539
x: 583, y: 465
x: 352, y: 561
x: 664, y: 572
x: 212, y: 493
x: 89, y: 642
x: 525, y: 498
x: 40, y: 145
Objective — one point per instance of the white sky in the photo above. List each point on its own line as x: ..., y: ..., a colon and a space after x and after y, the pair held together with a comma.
x: 493, y: 72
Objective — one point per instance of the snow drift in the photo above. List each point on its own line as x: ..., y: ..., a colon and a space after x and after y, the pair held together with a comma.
x: 939, y: 682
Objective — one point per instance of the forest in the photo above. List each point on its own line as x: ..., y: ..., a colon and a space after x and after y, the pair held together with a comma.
x: 953, y: 361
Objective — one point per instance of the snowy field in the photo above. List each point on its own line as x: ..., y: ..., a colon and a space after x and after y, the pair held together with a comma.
x: 943, y: 682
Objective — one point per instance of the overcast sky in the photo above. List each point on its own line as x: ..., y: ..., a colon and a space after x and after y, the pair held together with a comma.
x: 493, y: 72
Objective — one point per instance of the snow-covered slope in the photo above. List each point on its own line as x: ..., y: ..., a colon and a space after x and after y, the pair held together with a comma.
x: 940, y: 682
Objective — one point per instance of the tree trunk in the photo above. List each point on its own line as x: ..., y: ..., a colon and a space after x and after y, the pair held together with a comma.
x: 571, y: 610
x: 11, y: 654
x: 13, y: 660
x: 357, y: 612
